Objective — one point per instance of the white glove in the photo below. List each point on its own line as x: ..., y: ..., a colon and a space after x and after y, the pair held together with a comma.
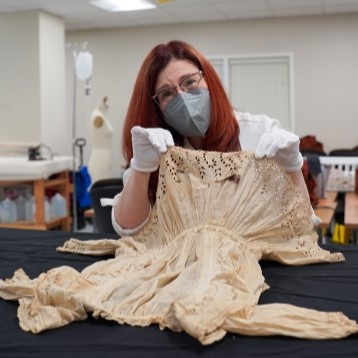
x: 148, y: 144
x: 283, y: 146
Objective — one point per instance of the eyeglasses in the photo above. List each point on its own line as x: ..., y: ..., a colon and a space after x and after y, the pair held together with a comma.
x: 189, y: 83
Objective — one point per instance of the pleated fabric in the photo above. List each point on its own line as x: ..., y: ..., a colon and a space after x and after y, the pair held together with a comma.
x: 194, y: 267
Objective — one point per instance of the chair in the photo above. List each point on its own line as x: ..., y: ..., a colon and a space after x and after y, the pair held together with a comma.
x: 314, y: 173
x: 307, y: 152
x: 343, y: 153
x: 104, y: 188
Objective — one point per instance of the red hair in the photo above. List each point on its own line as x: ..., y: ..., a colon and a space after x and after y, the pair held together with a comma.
x: 223, y: 132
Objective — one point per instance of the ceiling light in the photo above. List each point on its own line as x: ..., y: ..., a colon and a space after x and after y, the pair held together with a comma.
x: 123, y: 5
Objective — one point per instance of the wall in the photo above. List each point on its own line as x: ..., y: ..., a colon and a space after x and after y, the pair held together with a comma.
x: 19, y: 73
x: 325, y: 50
x: 32, y: 72
x: 54, y: 130
x: 36, y: 105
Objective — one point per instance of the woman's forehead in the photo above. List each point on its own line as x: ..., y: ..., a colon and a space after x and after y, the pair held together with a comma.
x: 174, y: 70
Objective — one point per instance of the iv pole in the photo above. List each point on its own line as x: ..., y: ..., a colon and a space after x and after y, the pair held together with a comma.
x: 83, y: 73
x: 74, y: 192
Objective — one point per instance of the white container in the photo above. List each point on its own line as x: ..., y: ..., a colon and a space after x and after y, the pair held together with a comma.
x: 47, y: 208
x: 30, y: 208
x: 58, y: 206
x: 8, y: 211
x: 21, y: 207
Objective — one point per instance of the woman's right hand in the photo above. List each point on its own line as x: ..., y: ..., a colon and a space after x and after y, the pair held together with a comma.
x: 148, y: 144
x: 283, y: 146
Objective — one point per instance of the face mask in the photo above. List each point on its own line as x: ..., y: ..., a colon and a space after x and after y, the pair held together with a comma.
x: 189, y: 113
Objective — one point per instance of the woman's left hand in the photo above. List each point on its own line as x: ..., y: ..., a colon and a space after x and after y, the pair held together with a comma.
x: 283, y: 146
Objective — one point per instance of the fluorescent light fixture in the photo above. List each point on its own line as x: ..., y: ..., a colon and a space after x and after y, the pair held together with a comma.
x: 123, y: 5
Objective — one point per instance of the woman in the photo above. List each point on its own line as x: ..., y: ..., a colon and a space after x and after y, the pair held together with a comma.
x: 178, y: 99
x: 195, y: 266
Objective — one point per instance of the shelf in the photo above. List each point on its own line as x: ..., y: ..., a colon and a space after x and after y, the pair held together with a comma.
x: 58, y: 181
x: 60, y: 222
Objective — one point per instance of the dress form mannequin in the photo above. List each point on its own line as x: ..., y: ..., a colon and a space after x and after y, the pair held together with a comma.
x: 100, y: 162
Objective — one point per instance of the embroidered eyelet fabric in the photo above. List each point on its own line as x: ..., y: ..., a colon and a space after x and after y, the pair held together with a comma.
x: 194, y: 267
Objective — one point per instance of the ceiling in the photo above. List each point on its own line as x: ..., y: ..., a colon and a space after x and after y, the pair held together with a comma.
x: 81, y: 15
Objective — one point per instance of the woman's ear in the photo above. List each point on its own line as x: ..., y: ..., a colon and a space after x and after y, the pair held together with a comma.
x: 98, y: 122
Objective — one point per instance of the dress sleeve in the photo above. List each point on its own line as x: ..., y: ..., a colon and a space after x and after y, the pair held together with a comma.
x: 125, y: 232
x: 117, y: 228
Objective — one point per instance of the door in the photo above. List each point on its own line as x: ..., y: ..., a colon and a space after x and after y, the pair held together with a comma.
x: 259, y: 84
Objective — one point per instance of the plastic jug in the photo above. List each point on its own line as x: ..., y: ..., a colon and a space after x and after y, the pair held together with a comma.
x: 20, y: 206
x: 30, y: 208
x: 47, y: 208
x: 58, y: 206
x: 8, y: 211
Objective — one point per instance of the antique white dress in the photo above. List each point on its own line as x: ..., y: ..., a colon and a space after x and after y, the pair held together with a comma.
x: 194, y: 267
